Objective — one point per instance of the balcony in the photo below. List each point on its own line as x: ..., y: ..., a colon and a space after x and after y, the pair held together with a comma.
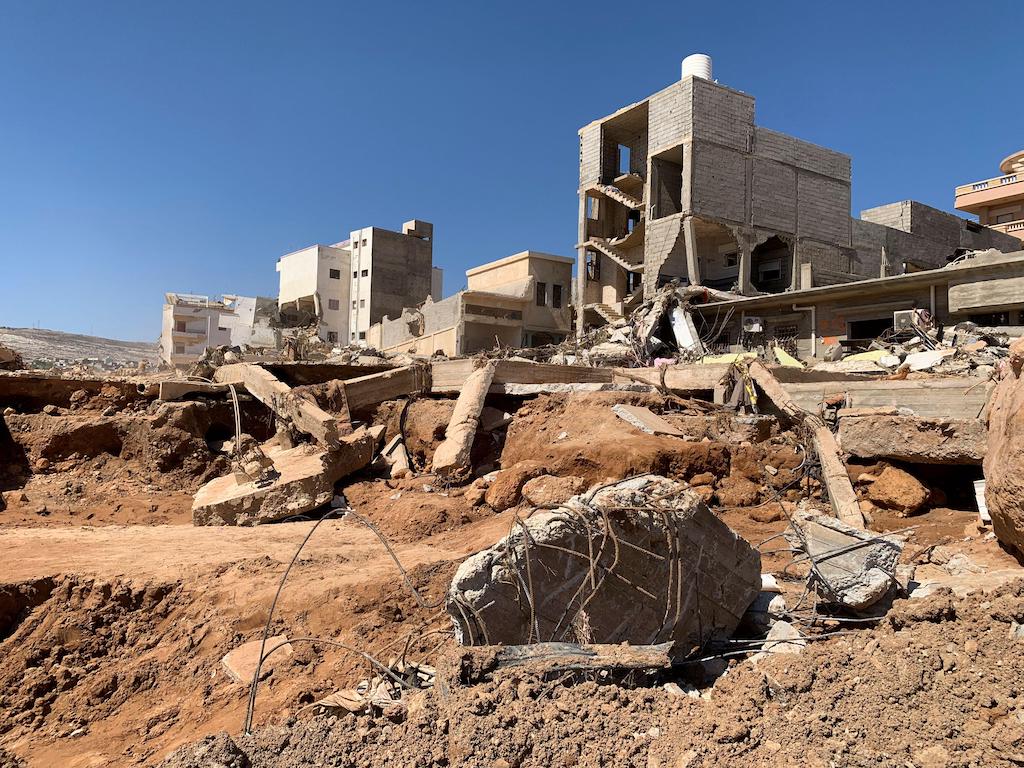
x: 979, y: 195
x: 1015, y: 228
x: 188, y: 335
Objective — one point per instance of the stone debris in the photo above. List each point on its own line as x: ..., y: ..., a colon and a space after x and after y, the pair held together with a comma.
x: 849, y: 566
x: 646, y: 420
x: 241, y: 663
x: 897, y: 490
x: 585, y: 571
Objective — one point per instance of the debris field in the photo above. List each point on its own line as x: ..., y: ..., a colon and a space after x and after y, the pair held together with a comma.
x: 623, y: 550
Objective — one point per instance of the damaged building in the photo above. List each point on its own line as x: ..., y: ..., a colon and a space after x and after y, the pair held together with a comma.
x: 684, y: 185
x: 348, y: 286
x: 521, y: 300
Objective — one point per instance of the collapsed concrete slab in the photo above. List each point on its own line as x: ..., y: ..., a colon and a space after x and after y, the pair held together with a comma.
x: 849, y: 566
x: 305, y: 480
x: 642, y: 561
x: 912, y: 439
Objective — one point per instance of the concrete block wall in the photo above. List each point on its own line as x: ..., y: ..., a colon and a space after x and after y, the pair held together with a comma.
x: 590, y: 154
x: 773, y: 195
x: 895, y: 215
x: 722, y: 115
x: 823, y: 208
x: 801, y: 154
x: 401, y: 273
x: 670, y: 115
x: 719, y: 187
x: 663, y: 241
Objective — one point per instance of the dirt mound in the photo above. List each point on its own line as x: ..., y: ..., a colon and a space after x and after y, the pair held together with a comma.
x: 412, y: 509
x: 931, y: 686
x: 580, y: 435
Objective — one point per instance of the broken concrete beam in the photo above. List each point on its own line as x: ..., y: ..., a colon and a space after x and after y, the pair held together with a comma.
x: 388, y: 385
x: 176, y: 390
x: 305, y: 415
x: 840, y: 490
x: 395, y: 459
x: 642, y: 561
x: 849, y: 566
x: 684, y: 379
x: 645, y: 420
x: 479, y: 664
x: 913, y: 439
x: 241, y: 663
x: 305, y: 481
x: 449, y: 376
x: 931, y: 398
x: 452, y: 456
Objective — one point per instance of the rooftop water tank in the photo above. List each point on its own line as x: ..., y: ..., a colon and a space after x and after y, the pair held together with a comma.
x: 698, y: 65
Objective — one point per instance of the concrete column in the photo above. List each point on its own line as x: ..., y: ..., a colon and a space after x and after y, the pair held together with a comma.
x: 745, y: 255
x: 581, y: 263
x: 690, y: 239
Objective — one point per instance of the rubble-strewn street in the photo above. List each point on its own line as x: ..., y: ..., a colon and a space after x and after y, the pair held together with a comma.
x: 668, y: 439
x: 495, y: 561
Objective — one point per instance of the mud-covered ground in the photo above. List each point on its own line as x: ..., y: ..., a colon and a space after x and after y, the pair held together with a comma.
x: 115, y: 612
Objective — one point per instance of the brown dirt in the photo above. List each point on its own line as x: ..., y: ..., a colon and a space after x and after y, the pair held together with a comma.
x: 938, y: 683
x: 111, y: 633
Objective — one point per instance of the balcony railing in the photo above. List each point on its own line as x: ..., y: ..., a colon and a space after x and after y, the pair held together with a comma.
x: 1015, y: 228
x: 993, y: 183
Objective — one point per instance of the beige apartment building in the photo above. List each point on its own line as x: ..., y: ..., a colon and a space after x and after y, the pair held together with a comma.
x: 191, y: 323
x: 350, y: 285
x: 518, y: 301
x: 999, y: 201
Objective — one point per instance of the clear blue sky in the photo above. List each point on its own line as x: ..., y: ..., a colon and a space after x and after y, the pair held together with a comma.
x: 184, y: 146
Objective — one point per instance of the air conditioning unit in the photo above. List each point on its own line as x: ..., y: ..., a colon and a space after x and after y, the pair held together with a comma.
x: 752, y: 325
x: 903, y: 320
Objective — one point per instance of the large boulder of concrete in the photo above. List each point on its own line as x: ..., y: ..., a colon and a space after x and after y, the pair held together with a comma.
x: 913, y: 439
x: 640, y: 561
x: 303, y: 479
x: 1004, y: 458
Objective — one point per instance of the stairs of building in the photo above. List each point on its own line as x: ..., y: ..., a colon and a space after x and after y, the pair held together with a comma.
x: 608, y: 312
x: 619, y: 196
x: 613, y: 253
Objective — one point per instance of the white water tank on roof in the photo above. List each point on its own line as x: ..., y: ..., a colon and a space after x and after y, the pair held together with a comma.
x: 698, y: 65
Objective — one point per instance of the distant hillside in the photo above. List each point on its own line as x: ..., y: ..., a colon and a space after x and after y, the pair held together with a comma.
x: 36, y: 344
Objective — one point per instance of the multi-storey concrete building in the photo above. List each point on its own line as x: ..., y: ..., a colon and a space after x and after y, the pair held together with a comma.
x: 192, y: 323
x: 684, y: 185
x: 350, y: 285
x: 998, y: 202
x: 521, y: 300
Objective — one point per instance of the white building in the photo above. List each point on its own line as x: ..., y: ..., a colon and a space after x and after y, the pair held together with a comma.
x: 315, y: 283
x: 191, y: 324
x: 351, y: 285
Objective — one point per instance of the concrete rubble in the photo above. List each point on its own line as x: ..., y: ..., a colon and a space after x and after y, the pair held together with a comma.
x: 640, y: 561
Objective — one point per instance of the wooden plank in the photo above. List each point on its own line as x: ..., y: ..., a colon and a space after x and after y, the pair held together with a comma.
x: 840, y: 490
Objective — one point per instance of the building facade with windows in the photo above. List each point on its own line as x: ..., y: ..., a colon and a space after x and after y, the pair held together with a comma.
x: 191, y: 323
x: 519, y: 301
x: 998, y: 202
x: 348, y: 286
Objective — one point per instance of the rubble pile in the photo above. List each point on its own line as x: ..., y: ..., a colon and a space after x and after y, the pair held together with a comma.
x: 635, y: 523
